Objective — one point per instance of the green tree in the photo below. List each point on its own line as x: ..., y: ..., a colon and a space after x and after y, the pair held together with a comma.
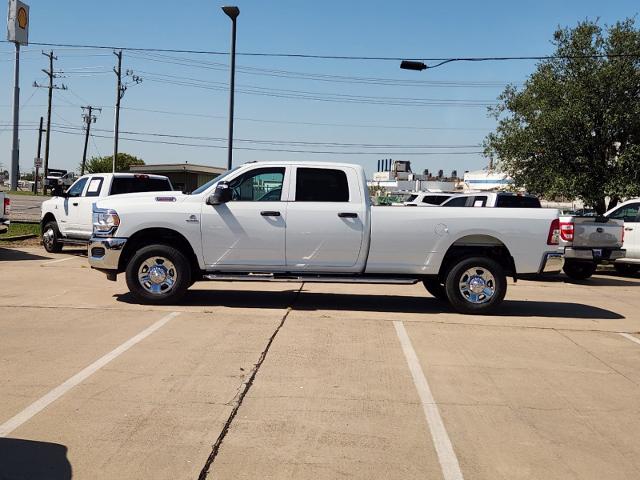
x: 105, y: 164
x: 573, y: 129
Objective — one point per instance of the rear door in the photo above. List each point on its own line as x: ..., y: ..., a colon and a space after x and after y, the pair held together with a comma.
x: 325, y: 220
x: 629, y: 213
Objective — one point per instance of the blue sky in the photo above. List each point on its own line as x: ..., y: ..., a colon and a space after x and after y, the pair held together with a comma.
x: 415, y: 29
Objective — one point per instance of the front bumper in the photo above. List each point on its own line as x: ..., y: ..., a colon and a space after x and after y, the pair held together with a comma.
x: 552, y: 263
x: 594, y: 254
x: 104, y: 253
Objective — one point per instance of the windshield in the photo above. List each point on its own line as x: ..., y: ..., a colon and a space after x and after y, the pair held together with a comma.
x: 204, y: 187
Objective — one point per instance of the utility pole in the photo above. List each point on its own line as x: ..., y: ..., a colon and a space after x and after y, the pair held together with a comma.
x: 88, y: 119
x: 51, y: 74
x: 120, y: 89
x: 119, y: 95
x: 40, y: 130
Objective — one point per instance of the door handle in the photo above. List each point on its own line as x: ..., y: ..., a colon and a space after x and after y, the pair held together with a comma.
x: 347, y: 215
x: 75, y: 204
x: 628, y: 229
x: 269, y: 213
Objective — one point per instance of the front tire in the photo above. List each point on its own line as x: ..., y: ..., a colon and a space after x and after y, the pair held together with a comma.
x: 158, y: 275
x: 51, y: 237
x: 476, y: 285
x: 579, y: 270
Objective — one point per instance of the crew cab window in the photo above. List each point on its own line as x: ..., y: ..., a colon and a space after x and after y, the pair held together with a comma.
x: 139, y: 183
x: 517, y: 201
x: 321, y: 185
x: 259, y: 185
x: 434, y: 199
x: 456, y: 202
x: 628, y: 213
x: 95, y: 185
x: 76, y: 189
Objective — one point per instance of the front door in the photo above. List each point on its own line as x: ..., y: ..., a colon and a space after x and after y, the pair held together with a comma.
x: 247, y: 232
x: 629, y: 213
x: 325, y: 220
x: 71, y: 215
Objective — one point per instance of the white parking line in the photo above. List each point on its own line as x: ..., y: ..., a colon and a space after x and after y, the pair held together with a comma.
x: 59, y: 260
x: 446, y: 456
x: 631, y: 337
x: 43, y: 402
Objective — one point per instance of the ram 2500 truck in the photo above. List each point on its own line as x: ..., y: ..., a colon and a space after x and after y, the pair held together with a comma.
x: 66, y: 218
x: 313, y: 222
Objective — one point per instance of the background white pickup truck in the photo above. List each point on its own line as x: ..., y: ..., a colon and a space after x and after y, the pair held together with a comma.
x: 314, y: 222
x: 66, y: 218
x: 5, y: 207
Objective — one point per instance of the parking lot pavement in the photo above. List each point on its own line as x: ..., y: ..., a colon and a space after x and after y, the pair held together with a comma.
x: 314, y: 381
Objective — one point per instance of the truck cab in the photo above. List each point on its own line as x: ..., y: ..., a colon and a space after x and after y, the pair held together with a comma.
x: 66, y: 218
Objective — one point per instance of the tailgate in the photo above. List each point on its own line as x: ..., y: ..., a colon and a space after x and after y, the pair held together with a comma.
x: 595, y: 232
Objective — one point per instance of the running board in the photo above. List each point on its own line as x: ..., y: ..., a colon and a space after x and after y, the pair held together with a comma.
x: 267, y: 277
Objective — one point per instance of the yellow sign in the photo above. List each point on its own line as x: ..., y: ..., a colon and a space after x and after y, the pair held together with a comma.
x: 23, y: 17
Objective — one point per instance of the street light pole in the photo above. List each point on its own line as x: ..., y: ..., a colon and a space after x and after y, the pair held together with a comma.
x: 232, y: 13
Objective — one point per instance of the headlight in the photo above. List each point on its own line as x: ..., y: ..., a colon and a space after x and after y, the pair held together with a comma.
x: 105, y: 222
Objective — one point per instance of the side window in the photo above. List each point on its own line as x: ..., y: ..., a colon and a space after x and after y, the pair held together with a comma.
x: 435, y: 199
x: 628, y: 213
x: 480, y: 201
x: 95, y: 185
x: 259, y: 185
x: 321, y: 185
x: 456, y: 202
x: 76, y: 189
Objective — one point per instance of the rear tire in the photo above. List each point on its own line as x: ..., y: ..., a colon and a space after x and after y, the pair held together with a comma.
x: 51, y: 237
x: 436, y: 289
x: 158, y: 275
x: 476, y: 285
x: 579, y: 270
x: 626, y: 268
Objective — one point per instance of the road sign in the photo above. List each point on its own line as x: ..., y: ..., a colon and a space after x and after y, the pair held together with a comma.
x: 18, y: 22
x: 37, y: 162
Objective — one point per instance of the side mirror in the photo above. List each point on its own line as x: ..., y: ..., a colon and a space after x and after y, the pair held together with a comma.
x: 222, y: 194
x: 58, y: 191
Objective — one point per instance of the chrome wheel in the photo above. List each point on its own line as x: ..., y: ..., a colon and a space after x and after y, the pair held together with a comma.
x: 157, y: 275
x: 48, y: 238
x: 477, y: 285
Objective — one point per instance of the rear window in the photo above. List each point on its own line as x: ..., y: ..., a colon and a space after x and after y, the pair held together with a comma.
x: 321, y: 185
x: 435, y: 199
x: 138, y: 184
x: 515, y: 201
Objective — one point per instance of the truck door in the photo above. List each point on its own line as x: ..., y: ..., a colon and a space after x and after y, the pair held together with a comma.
x: 629, y: 213
x: 325, y: 220
x: 248, y: 231
x: 70, y: 216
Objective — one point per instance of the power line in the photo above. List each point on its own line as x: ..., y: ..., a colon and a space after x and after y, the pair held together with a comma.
x: 336, y: 57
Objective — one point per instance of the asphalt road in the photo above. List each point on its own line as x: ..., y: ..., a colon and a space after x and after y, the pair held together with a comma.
x: 26, y: 208
x: 303, y: 381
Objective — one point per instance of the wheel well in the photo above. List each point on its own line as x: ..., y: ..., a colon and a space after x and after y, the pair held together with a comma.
x: 478, y: 246
x: 153, y: 236
x: 47, y: 217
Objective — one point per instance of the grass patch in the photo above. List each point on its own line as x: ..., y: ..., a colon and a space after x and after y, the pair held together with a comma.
x: 22, y: 192
x: 17, y: 229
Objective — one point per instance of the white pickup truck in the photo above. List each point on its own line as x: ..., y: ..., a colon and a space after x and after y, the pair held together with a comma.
x: 313, y: 222
x: 66, y: 218
x: 5, y: 207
